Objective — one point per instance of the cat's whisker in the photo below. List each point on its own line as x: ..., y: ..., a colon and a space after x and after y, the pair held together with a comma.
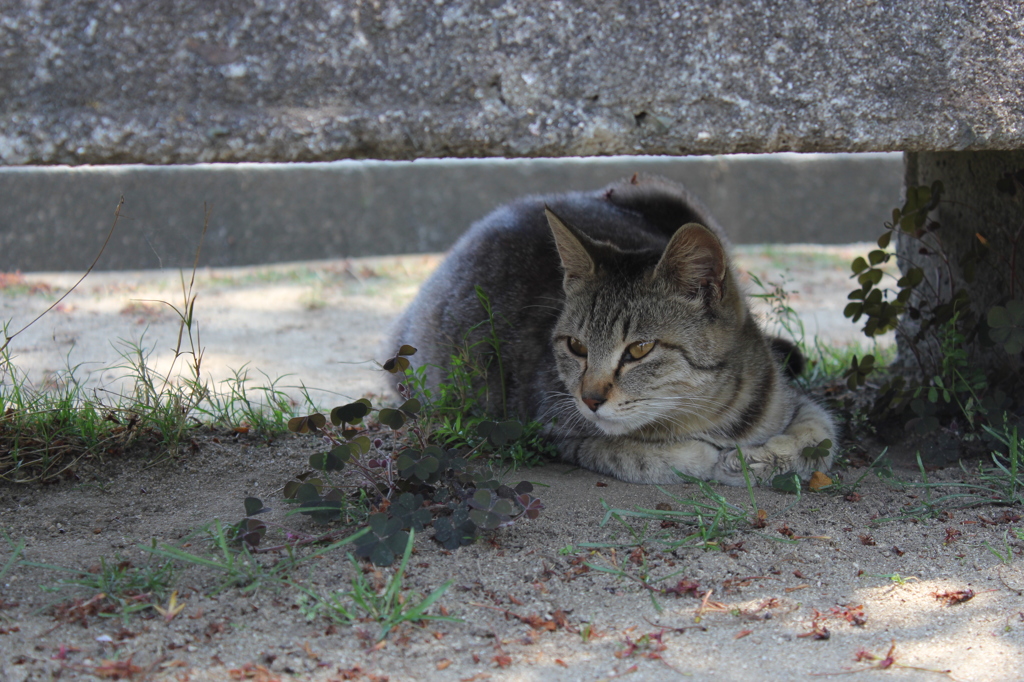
x: 682, y: 417
x: 563, y: 400
x: 566, y: 408
x: 558, y: 393
x: 712, y: 414
x: 699, y: 400
x: 719, y: 410
x: 542, y: 307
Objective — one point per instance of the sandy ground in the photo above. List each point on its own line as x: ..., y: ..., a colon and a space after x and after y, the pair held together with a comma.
x: 826, y: 587
x: 314, y: 324
x: 769, y: 602
x: 317, y: 324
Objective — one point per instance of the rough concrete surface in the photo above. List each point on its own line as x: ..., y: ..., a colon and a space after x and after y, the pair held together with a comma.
x: 56, y: 218
x: 107, y: 81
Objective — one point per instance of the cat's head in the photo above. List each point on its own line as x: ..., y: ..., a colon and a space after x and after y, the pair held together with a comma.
x: 643, y: 336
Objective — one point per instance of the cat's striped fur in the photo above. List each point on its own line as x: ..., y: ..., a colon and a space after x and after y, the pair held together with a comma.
x: 583, y: 283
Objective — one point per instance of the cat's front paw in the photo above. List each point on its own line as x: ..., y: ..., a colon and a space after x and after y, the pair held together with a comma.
x: 801, y: 455
x: 781, y: 454
x: 761, y: 462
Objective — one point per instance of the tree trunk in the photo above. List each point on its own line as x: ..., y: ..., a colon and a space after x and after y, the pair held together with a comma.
x: 979, y: 218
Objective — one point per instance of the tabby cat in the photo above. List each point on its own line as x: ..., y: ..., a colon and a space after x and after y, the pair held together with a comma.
x: 625, y: 330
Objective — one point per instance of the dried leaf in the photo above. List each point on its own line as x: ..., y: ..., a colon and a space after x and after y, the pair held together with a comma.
x: 819, y: 481
x: 173, y: 608
x: 117, y: 669
x: 953, y: 597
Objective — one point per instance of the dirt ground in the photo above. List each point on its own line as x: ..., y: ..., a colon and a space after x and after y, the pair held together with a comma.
x: 824, y: 588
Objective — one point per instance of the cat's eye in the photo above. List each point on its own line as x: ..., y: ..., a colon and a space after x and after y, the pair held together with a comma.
x: 639, y: 349
x: 577, y: 347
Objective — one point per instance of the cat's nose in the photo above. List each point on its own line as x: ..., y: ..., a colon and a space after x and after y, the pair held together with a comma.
x: 593, y: 403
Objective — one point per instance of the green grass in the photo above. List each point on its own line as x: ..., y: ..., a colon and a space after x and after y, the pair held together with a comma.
x: 895, y: 578
x: 453, y: 412
x: 998, y: 482
x: 44, y: 431
x: 706, y: 518
x: 827, y: 362
x: 119, y: 589
x: 15, y: 549
x: 641, y: 575
x: 1005, y: 555
x: 387, y: 607
x: 264, y: 407
x: 236, y: 566
x: 294, y: 275
x: 128, y: 589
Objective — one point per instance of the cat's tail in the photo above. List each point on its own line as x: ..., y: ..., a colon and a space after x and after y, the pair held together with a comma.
x: 788, y: 354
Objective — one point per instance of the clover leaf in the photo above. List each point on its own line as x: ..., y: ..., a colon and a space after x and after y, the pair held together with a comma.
x: 1006, y: 326
x: 384, y: 541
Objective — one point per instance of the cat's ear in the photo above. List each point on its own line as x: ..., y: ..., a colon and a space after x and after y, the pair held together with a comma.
x: 576, y: 261
x: 694, y: 260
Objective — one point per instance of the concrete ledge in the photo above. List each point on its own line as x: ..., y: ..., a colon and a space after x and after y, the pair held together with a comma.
x: 54, y: 219
x: 110, y: 81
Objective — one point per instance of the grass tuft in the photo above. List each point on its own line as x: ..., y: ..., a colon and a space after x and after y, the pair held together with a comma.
x: 388, y: 606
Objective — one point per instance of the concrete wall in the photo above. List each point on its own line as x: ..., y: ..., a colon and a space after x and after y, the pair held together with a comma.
x: 188, y: 81
x: 56, y: 218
